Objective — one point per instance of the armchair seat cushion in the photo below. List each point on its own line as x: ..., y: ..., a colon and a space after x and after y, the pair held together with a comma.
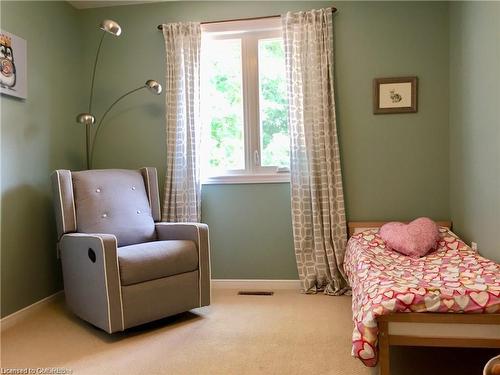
x: 154, y: 260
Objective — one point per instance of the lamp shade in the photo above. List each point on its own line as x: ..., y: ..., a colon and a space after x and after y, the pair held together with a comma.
x: 85, y: 119
x: 153, y: 86
x: 111, y: 27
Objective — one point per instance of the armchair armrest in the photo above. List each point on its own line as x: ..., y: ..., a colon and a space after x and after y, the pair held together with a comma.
x: 198, y: 233
x: 92, y: 282
x: 180, y: 231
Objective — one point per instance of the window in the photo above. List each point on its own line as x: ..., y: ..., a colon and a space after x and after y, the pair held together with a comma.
x: 244, y: 105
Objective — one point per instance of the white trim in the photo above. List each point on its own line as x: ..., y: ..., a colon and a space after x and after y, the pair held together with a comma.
x: 91, y: 235
x: 73, y: 202
x: 249, y: 33
x: 248, y: 179
x: 158, y: 194
x: 12, y: 319
x: 215, y: 29
x: 119, y: 284
x: 148, y: 189
x: 105, y: 279
x: 256, y: 284
x: 199, y: 265
x: 178, y: 223
x: 61, y: 202
x: 247, y: 92
x: 149, y: 192
x: 209, y: 271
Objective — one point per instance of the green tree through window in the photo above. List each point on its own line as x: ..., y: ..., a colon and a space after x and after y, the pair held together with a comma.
x: 275, y: 141
x: 224, y: 105
x: 225, y: 110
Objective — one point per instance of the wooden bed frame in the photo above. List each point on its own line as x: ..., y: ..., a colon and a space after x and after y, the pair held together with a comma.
x: 431, y: 329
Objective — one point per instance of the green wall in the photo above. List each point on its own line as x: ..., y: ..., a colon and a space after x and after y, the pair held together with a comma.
x: 38, y: 135
x: 250, y: 231
x: 475, y: 123
x: 395, y: 166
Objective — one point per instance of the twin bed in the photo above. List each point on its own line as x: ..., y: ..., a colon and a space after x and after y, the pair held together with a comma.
x: 450, y: 297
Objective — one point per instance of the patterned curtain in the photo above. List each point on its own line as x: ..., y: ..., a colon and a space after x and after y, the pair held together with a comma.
x: 182, y: 95
x: 318, y: 215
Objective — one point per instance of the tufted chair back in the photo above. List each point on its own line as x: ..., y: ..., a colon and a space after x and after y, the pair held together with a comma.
x: 121, y: 202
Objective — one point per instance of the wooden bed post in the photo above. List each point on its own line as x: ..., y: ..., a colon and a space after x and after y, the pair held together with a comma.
x: 383, y: 348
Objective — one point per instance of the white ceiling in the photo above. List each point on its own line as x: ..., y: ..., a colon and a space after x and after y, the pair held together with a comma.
x: 86, y: 4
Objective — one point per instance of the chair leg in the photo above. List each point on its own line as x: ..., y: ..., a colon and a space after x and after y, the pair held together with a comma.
x: 383, y: 347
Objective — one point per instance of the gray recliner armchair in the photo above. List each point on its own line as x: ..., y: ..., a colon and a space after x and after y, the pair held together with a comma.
x: 121, y: 266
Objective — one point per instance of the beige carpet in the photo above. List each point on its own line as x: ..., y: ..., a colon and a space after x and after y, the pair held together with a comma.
x: 288, y: 333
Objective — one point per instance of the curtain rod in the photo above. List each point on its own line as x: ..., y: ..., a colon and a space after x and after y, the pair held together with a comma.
x: 160, y: 27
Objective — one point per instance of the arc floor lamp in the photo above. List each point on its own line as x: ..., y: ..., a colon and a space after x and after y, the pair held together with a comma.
x: 87, y: 118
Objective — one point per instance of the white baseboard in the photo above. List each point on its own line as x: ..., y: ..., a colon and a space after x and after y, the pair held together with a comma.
x: 12, y: 319
x: 242, y: 284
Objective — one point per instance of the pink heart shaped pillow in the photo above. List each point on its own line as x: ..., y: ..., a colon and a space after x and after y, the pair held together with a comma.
x: 414, y: 239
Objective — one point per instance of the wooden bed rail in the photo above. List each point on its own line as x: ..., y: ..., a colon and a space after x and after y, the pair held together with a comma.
x: 386, y: 340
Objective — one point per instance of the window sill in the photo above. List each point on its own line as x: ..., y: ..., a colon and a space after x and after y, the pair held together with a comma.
x: 248, y: 179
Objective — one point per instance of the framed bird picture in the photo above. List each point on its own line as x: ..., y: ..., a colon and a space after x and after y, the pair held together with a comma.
x: 13, y: 79
x: 395, y: 95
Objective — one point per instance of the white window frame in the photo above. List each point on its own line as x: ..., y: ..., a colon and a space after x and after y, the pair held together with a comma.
x: 250, y: 32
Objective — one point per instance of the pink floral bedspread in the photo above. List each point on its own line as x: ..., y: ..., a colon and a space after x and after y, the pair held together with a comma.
x: 453, y: 278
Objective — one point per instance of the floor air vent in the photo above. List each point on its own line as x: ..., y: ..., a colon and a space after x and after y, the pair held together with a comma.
x: 255, y: 293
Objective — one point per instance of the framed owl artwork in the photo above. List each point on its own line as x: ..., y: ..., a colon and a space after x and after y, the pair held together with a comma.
x: 13, y: 79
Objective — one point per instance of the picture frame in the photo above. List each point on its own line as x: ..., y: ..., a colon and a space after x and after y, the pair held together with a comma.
x: 395, y: 95
x: 13, y: 60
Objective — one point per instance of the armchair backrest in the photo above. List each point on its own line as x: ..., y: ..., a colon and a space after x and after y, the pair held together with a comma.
x: 112, y: 201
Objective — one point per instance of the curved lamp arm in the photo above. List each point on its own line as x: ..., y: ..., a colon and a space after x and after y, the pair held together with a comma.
x: 102, y: 119
x: 152, y: 85
x: 96, y: 60
x: 107, y: 27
